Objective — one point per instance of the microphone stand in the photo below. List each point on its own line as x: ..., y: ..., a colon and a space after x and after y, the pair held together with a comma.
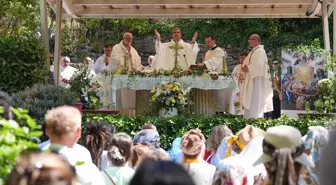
x: 185, y: 59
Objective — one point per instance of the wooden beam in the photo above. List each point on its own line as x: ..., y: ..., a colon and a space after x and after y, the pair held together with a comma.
x: 220, y: 12
x: 69, y: 9
x: 192, y: 2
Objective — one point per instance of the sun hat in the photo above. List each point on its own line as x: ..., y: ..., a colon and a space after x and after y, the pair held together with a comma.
x: 284, y: 137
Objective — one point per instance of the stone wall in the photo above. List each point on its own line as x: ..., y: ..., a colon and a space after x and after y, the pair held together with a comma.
x: 146, y: 47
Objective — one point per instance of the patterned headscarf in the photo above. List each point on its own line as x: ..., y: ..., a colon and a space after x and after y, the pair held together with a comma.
x: 234, y: 171
x: 315, y: 142
x: 148, y: 137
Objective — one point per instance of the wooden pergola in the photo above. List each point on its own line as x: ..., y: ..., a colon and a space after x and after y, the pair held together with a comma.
x: 185, y: 9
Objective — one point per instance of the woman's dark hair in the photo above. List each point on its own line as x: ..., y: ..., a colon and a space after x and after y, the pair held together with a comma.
x: 97, y: 139
x: 152, y: 172
x: 120, y: 149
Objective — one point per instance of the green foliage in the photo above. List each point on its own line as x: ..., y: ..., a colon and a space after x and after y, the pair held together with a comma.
x: 41, y: 98
x: 23, y: 63
x: 275, y: 33
x: 170, y: 128
x: 14, y: 139
x: 19, y: 18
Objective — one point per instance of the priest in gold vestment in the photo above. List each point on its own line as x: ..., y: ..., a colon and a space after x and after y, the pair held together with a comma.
x: 214, y: 61
x: 127, y: 59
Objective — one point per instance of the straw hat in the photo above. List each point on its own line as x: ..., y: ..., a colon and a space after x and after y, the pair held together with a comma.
x: 248, y: 133
x: 193, y: 143
x: 281, y: 137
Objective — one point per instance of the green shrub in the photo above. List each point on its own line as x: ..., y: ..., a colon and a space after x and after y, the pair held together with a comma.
x: 170, y: 128
x: 40, y: 98
x: 14, y: 139
x: 23, y: 63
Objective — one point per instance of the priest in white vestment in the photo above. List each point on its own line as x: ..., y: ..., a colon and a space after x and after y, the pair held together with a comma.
x: 257, y: 92
x: 126, y: 57
x: 66, y: 72
x: 239, y: 76
x: 214, y: 61
x: 100, y: 66
x: 166, y: 53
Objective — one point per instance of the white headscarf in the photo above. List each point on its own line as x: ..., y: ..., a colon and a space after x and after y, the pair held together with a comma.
x: 234, y: 171
x: 252, y: 152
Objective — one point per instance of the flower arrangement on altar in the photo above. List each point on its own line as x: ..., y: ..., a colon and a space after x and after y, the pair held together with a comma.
x: 176, y: 73
x: 169, y: 95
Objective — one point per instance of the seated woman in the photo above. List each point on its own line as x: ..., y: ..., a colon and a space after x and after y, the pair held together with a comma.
x: 97, y: 137
x: 120, y: 152
x: 37, y: 168
x: 233, y: 145
x: 153, y: 172
x: 215, y: 138
x: 193, y: 150
x: 283, y: 155
x: 234, y: 171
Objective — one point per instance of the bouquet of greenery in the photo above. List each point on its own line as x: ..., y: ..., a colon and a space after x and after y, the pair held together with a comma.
x: 327, y: 96
x: 87, y: 88
x: 168, y: 95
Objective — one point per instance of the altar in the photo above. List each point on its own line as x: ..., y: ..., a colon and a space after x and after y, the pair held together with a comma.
x: 202, y: 94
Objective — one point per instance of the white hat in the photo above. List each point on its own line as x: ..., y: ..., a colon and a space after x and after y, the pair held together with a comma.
x: 281, y: 137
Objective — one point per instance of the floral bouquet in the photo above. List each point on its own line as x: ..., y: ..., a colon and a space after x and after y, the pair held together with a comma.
x: 169, y: 95
x: 89, y: 94
x: 327, y: 96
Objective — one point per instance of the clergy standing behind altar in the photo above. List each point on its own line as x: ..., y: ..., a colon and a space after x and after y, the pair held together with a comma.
x: 175, y: 52
x: 257, y: 92
x: 214, y: 61
x: 66, y: 72
x: 103, y: 63
x: 128, y: 60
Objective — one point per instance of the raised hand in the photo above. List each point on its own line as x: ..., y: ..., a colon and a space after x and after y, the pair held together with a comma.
x: 195, y: 36
x: 157, y: 34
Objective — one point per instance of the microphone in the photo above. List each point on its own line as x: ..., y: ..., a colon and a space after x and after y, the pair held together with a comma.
x: 185, y: 59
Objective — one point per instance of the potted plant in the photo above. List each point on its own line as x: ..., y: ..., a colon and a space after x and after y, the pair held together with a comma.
x: 170, y: 97
x: 87, y: 88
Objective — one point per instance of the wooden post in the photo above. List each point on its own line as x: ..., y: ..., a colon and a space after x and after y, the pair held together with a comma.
x: 57, y: 55
x: 334, y: 27
x: 44, y: 28
x: 325, y: 22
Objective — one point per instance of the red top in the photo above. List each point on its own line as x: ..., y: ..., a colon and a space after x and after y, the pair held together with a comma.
x: 207, y: 156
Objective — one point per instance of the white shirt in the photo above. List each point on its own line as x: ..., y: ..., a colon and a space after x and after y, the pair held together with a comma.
x: 202, y: 173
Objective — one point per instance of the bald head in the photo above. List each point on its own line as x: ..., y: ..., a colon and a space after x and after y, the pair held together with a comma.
x: 127, y: 39
x: 254, y: 40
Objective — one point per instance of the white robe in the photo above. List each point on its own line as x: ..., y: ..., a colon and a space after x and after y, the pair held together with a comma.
x: 213, y: 60
x: 126, y: 96
x: 202, y: 173
x: 100, y: 66
x: 235, y: 74
x: 257, y: 92
x: 165, y: 57
x: 66, y: 73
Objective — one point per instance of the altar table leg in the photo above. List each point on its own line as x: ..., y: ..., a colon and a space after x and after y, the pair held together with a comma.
x: 143, y: 104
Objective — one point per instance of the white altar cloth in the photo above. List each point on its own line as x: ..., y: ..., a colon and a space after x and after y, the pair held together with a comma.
x: 147, y: 83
